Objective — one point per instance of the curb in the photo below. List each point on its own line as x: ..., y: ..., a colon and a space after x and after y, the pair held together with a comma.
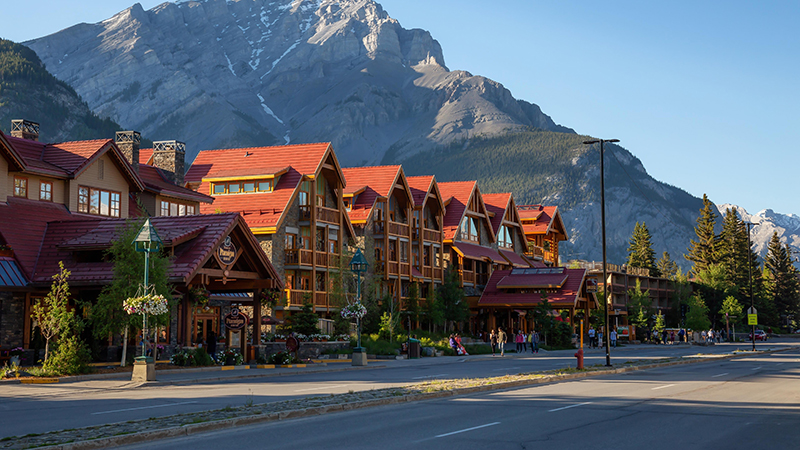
x: 255, y: 375
x: 188, y: 430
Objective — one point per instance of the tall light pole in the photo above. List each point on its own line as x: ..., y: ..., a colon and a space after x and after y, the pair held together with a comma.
x: 607, y: 338
x: 146, y: 241
x: 750, y: 279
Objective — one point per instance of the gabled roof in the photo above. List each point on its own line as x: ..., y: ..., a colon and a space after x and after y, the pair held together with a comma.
x: 26, y: 240
x: 146, y: 156
x: 10, y: 154
x: 423, y: 185
x: 564, y: 287
x: 500, y: 204
x: 70, y: 159
x: 456, y: 196
x: 367, y: 184
x: 194, y: 239
x: 288, y: 163
x: 156, y: 181
x: 544, y: 216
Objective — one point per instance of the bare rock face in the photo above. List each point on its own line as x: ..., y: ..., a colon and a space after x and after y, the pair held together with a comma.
x: 222, y: 73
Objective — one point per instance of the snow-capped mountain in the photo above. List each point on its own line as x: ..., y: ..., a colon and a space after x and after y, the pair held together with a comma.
x: 766, y: 222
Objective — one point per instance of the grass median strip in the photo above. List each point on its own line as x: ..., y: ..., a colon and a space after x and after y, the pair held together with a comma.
x: 231, y: 416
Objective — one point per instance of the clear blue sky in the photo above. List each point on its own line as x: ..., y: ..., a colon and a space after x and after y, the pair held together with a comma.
x: 706, y: 94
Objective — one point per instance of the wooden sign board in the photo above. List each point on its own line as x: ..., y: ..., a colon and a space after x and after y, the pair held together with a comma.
x: 234, y: 320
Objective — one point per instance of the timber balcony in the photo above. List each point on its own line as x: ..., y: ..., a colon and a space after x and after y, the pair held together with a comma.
x: 476, y: 278
x: 394, y: 228
x: 535, y: 252
x: 394, y: 268
x: 432, y: 272
x: 322, y: 214
x: 304, y: 257
x: 297, y: 297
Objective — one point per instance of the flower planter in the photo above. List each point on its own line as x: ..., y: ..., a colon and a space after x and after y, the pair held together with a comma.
x: 230, y: 360
x: 7, y: 252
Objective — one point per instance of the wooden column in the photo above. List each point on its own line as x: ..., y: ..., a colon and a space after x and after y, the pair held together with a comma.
x: 256, y: 320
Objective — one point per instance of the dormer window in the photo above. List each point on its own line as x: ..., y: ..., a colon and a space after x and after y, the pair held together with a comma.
x: 242, y: 187
x: 504, y: 238
x: 348, y: 203
x: 20, y: 187
x: 469, y: 229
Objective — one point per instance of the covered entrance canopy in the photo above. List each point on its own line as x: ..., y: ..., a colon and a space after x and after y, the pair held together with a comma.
x: 521, y: 289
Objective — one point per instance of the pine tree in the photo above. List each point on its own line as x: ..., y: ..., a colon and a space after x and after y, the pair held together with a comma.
x: 781, y: 283
x: 702, y: 251
x: 732, y: 250
x: 667, y: 267
x: 640, y: 250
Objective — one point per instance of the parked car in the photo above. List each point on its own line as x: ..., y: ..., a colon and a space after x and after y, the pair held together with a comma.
x: 760, y: 335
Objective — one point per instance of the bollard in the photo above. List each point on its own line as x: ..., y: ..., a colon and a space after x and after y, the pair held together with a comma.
x: 579, y: 355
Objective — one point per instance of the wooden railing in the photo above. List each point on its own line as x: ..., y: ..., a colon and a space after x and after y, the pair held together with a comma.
x: 327, y: 215
x: 432, y: 235
x: 468, y: 277
x: 534, y: 252
x: 405, y: 269
x: 392, y: 268
x: 398, y: 229
x: 296, y: 297
x: 321, y: 299
x: 427, y: 272
x: 298, y: 257
x: 437, y: 273
x: 321, y: 259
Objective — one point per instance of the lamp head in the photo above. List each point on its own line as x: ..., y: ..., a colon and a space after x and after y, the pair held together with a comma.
x: 359, y: 264
x: 147, y: 239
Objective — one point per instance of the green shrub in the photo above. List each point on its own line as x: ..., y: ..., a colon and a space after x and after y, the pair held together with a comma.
x: 202, y: 358
x: 478, y: 349
x: 70, y: 358
x: 281, y: 358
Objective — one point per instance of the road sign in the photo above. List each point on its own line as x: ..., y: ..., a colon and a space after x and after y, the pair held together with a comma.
x: 752, y: 310
x: 752, y: 319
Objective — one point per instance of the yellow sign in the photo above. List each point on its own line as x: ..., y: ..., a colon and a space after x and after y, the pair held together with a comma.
x: 752, y: 319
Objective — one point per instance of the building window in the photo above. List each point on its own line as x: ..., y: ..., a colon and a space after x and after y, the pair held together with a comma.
x: 321, y: 186
x: 504, y: 238
x: 333, y: 246
x: 305, y: 238
x: 426, y: 256
x: 176, y: 209
x: 242, y: 187
x: 20, y: 187
x: 404, y: 252
x: 46, y: 191
x: 348, y: 203
x: 98, y: 202
x: 291, y: 240
x: 469, y: 229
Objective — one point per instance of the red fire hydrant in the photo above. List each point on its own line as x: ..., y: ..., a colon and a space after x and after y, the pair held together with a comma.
x: 579, y: 355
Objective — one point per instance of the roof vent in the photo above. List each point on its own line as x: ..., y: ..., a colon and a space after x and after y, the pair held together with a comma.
x: 25, y: 129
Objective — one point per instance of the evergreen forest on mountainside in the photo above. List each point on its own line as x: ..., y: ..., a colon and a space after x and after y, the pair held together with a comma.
x: 29, y: 91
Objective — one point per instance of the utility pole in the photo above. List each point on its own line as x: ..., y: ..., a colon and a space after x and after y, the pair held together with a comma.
x: 750, y: 279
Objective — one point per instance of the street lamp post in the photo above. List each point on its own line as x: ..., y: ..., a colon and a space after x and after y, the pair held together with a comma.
x: 607, y: 338
x: 750, y: 279
x: 358, y: 265
x: 146, y: 241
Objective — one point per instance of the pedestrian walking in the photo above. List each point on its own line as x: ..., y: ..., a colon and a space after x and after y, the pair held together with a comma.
x: 535, y: 342
x: 704, y: 336
x: 591, y: 337
x: 493, y: 341
x: 672, y: 337
x: 613, y: 337
x: 502, y: 338
x: 518, y: 339
x: 530, y: 340
x: 600, y: 341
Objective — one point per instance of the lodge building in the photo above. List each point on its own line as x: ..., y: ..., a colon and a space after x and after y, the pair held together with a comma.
x: 68, y: 202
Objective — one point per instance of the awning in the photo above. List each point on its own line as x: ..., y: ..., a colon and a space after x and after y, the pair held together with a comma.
x: 10, y: 275
x: 415, y: 273
x: 514, y: 259
x: 269, y: 320
x: 478, y: 253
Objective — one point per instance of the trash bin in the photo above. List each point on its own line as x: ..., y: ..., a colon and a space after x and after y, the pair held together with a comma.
x: 413, y: 348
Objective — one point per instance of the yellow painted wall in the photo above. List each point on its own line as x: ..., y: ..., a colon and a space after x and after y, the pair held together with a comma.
x: 113, y: 180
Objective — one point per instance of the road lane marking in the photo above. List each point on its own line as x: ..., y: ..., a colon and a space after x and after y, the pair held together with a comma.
x: 141, y: 407
x: 778, y: 364
x: 756, y: 368
x: 429, y: 376
x: 506, y: 368
x: 719, y: 375
x: 662, y: 387
x: 570, y: 406
x: 322, y: 387
x: 468, y: 429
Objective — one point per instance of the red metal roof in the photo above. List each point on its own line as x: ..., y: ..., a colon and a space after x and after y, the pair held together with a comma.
x: 198, y: 235
x: 458, y: 192
x: 156, y: 181
x: 377, y: 181
x: 420, y: 187
x: 544, y: 218
x: 261, y: 209
x: 514, y: 259
x: 566, y: 295
x: 478, y: 252
x: 497, y: 204
x: 144, y: 155
x: 26, y: 240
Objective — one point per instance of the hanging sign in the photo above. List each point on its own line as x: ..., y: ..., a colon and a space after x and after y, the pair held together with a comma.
x: 227, y: 252
x: 752, y: 316
x: 235, y: 320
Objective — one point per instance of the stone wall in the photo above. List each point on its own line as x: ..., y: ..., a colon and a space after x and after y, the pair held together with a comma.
x: 12, y: 319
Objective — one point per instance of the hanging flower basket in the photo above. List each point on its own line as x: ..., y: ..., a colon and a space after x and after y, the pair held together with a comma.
x: 354, y: 311
x: 152, y: 304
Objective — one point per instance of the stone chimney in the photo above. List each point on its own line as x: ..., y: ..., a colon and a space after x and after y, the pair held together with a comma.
x: 25, y: 129
x: 128, y: 142
x: 169, y: 156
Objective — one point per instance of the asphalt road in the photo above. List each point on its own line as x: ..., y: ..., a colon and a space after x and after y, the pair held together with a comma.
x: 39, y: 408
x: 744, y: 403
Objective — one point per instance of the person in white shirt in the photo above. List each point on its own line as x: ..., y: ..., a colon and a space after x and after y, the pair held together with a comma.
x: 613, y: 337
